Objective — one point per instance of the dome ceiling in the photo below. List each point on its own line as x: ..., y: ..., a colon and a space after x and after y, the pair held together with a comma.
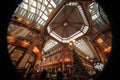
x: 69, y: 23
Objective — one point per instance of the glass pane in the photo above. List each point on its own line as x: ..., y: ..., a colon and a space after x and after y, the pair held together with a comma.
x: 82, y: 45
x: 46, y: 2
x: 16, y: 54
x: 50, y: 44
x: 44, y: 17
x: 43, y: 8
x: 53, y: 4
x: 26, y: 1
x: 102, y: 43
x: 32, y: 58
x: 33, y: 9
x: 25, y: 6
x: 11, y: 49
x: 34, y: 3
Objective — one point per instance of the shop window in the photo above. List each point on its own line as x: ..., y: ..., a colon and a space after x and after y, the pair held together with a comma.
x: 32, y: 58
x: 30, y: 62
x: 108, y: 37
x: 10, y: 48
x: 104, y: 46
x: 16, y: 55
x: 101, y: 43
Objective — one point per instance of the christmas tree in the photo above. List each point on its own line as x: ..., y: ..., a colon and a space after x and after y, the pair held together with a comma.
x: 79, y: 71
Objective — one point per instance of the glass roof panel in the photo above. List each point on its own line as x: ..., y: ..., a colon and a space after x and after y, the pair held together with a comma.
x: 44, y: 17
x: 34, y: 3
x: 65, y: 40
x: 25, y: 6
x: 56, y: 36
x: 82, y: 14
x: 95, y: 14
x: 84, y: 28
x: 72, y: 3
x: 46, y: 2
x: 44, y: 8
x: 52, y: 3
x: 50, y: 44
x: 48, y: 28
x: 82, y: 45
x: 40, y: 0
x: 39, y: 21
x: 76, y: 36
x: 32, y: 9
x: 26, y: 1
x: 50, y: 10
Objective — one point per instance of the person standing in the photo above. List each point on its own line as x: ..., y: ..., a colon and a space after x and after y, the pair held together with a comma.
x: 43, y: 75
x: 60, y: 75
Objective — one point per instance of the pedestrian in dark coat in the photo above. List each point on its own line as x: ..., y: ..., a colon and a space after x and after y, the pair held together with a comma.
x: 60, y: 75
x: 43, y: 75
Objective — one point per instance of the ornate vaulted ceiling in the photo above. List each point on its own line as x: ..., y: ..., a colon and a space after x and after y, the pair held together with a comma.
x: 68, y: 23
x: 59, y: 22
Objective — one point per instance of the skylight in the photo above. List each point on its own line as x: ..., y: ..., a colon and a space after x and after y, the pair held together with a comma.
x: 95, y: 14
x: 50, y: 44
x: 82, y: 45
x: 82, y: 14
x: 72, y: 3
x: 72, y: 37
x: 84, y: 28
x: 41, y: 9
